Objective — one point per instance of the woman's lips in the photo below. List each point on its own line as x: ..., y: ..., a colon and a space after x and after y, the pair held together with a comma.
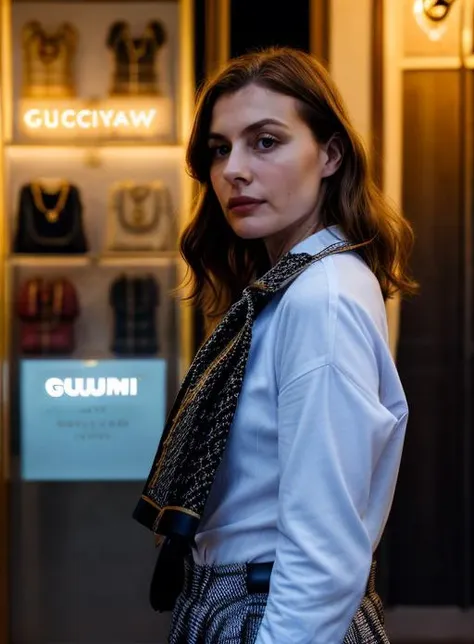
x: 243, y: 204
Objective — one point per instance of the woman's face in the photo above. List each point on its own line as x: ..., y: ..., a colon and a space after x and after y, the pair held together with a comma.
x: 266, y: 167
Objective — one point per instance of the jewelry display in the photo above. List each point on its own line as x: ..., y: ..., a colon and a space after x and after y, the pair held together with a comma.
x: 140, y: 217
x: 52, y: 214
x: 97, y: 97
x: 49, y: 222
x: 139, y: 223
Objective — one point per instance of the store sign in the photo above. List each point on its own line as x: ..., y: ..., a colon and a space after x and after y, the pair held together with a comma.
x: 106, y: 119
x: 96, y: 387
x: 85, y: 119
x: 90, y: 420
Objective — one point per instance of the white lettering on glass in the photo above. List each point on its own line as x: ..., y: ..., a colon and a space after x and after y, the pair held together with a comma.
x: 95, y: 387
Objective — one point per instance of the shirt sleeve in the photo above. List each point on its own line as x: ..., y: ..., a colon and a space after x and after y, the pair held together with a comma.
x: 332, y: 432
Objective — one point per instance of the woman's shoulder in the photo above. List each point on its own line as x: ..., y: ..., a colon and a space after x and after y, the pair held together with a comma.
x: 331, y: 311
x: 337, y: 280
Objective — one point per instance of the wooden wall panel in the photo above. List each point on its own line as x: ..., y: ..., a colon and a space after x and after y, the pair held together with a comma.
x: 426, y: 526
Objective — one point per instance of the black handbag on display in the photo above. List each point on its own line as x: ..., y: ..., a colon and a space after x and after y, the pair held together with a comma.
x: 49, y: 222
x: 134, y: 301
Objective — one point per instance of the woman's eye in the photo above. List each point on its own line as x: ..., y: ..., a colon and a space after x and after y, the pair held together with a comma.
x: 266, y: 142
x: 220, y: 150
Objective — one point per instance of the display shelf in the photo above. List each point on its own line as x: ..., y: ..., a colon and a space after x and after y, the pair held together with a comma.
x: 112, y: 259
x: 31, y: 146
x: 87, y: 1
x: 86, y: 358
x: 78, y: 151
x: 95, y: 161
x: 49, y: 260
x: 138, y: 260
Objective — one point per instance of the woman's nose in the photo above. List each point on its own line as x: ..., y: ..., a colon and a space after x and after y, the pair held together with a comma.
x: 237, y: 167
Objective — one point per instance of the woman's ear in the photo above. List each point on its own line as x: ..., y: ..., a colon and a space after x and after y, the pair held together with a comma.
x: 334, y: 153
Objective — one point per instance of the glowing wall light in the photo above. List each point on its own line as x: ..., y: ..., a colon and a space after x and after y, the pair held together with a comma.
x: 431, y: 16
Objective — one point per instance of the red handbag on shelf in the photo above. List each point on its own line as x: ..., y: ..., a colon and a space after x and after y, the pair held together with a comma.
x: 47, y: 311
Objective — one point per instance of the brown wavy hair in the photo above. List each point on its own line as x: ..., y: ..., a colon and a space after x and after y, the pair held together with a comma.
x: 221, y: 264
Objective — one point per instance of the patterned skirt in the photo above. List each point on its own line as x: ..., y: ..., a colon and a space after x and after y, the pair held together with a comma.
x: 215, y: 607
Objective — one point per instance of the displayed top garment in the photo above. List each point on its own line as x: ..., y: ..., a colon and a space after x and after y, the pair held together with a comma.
x: 42, y: 300
x: 48, y: 61
x: 49, y: 221
x: 140, y: 217
x: 47, y: 311
x: 134, y: 59
x: 134, y: 301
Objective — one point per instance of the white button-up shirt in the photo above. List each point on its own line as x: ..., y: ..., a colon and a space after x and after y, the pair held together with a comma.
x: 309, y: 472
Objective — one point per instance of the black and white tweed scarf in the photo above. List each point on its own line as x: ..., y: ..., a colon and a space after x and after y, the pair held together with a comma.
x: 197, y: 427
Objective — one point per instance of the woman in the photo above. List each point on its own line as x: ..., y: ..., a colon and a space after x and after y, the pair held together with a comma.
x: 276, y: 471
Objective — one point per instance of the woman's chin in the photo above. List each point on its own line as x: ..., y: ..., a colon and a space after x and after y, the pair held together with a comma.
x: 248, y: 230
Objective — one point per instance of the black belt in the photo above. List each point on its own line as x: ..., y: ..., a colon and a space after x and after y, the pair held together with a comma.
x: 258, y: 577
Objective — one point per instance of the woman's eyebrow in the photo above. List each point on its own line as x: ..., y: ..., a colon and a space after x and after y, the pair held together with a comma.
x: 252, y: 127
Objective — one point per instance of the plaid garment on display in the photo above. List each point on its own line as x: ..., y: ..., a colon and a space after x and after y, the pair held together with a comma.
x: 135, y: 72
x: 134, y: 302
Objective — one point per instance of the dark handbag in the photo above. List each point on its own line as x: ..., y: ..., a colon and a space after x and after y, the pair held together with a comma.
x: 49, y: 223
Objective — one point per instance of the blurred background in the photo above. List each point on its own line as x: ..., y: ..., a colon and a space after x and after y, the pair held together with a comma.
x: 96, y: 105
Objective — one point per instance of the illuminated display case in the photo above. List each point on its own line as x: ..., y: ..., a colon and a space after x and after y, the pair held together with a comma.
x: 97, y: 99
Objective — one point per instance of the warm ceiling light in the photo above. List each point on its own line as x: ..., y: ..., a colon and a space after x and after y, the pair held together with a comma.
x: 437, y: 9
x: 431, y: 16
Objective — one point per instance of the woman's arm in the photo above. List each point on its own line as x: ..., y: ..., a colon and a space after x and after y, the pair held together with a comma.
x: 332, y: 433
x: 341, y: 424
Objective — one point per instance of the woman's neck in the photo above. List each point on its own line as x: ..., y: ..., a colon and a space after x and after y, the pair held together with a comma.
x: 281, y: 243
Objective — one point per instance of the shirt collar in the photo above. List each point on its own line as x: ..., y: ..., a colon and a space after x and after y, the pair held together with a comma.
x: 319, y: 241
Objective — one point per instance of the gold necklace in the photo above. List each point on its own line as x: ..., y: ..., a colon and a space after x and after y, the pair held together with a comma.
x: 49, y: 49
x: 136, y: 50
x: 138, y: 195
x: 52, y: 214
